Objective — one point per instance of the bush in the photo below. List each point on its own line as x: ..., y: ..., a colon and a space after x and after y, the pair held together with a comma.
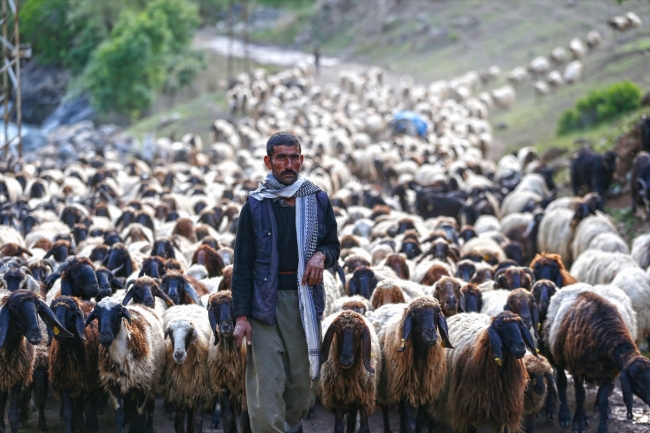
x: 44, y: 25
x: 600, y: 106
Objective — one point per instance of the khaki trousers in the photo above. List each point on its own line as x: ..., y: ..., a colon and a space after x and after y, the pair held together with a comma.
x: 277, y: 370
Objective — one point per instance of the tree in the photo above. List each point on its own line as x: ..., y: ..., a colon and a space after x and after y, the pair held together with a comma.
x: 44, y: 24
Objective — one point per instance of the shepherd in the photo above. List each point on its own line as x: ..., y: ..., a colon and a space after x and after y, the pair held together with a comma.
x: 286, y: 238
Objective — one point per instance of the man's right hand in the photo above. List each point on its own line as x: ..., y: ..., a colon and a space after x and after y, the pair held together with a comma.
x: 243, y: 329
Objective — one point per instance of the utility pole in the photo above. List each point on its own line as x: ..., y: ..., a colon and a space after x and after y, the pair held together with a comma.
x: 12, y: 53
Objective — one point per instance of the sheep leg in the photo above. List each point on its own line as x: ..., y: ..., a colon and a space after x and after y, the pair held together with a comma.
x: 384, y: 411
x: 179, y: 420
x: 603, y: 406
x: 25, y: 400
x: 245, y: 425
x: 67, y: 411
x: 119, y: 408
x: 529, y: 423
x: 338, y: 420
x: 352, y: 421
x: 216, y: 416
x: 565, y: 413
x: 40, y: 396
x: 148, y: 415
x: 363, y: 422
x: 227, y: 416
x: 90, y: 411
x: 198, y: 417
x: 408, y: 415
x: 579, y: 416
x: 422, y: 421
x: 78, y: 411
x: 14, y: 408
x: 3, y: 403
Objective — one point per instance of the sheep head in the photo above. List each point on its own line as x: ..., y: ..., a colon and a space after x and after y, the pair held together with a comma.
x: 397, y: 262
x: 143, y: 290
x: 109, y: 314
x: 522, y: 302
x: 352, y: 341
x: 471, y: 299
x: 179, y: 289
x: 447, y: 292
x: 79, y: 279
x: 635, y: 379
x: 547, y: 266
x: 508, y: 335
x: 67, y: 310
x: 153, y: 267
x: 387, y: 292
x: 543, y: 291
x: 421, y: 319
x: 465, y: 270
x: 182, y: 335
x: 363, y: 282
x: 221, y: 315
x: 514, y: 277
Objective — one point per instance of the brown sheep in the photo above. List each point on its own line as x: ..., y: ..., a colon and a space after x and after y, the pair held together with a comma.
x: 354, y: 261
x: 434, y: 274
x: 379, y: 210
x: 185, y: 227
x: 43, y: 243
x: 522, y: 302
x: 414, y: 363
x: 226, y: 281
x: 349, y: 376
x: 355, y: 304
x: 447, y: 292
x: 397, y: 262
x: 550, y: 267
x: 387, y: 292
x: 173, y: 265
x: 441, y: 249
x: 541, y: 382
x: 209, y: 257
x: 543, y: 291
x: 482, y: 276
x: 486, y: 378
x: 14, y: 250
x: 350, y: 241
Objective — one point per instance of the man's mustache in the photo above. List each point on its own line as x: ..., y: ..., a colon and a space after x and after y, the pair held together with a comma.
x: 288, y: 172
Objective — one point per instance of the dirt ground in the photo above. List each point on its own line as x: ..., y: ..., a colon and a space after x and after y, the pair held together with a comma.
x: 324, y: 421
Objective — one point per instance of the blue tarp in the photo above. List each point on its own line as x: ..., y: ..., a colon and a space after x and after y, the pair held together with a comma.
x: 414, y: 118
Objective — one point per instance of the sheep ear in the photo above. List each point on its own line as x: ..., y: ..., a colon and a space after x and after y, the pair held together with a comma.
x: 128, y: 266
x: 444, y: 331
x: 535, y: 320
x: 4, y: 324
x: 47, y: 316
x: 92, y: 316
x: 66, y: 286
x: 366, y: 348
x: 50, y: 334
x: 166, y: 334
x: 327, y: 342
x: 127, y: 297
x: 626, y: 387
x: 559, y: 282
x: 192, y: 293
x: 407, y: 326
x: 528, y: 339
x: 552, y: 388
x: 213, y: 324
x: 500, y: 282
x: 127, y: 315
x: 352, y: 287
x: 79, y: 324
x: 341, y: 272
x: 162, y: 295
x: 117, y: 283
x: 496, y: 343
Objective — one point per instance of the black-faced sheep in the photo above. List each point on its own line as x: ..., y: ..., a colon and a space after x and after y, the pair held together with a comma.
x: 131, y: 359
x: 164, y: 248
x: 414, y: 364
x: 486, y: 378
x: 107, y: 282
x: 471, y: 300
x: 548, y: 266
x: 540, y: 386
x: 181, y: 290
x: 186, y: 376
x: 143, y: 291
x: 588, y: 337
x: 119, y: 260
x: 79, y: 279
x: 227, y: 362
x: 60, y: 250
x: 72, y: 364
x: 19, y: 333
x: 153, y: 267
x: 350, y: 357
x: 513, y: 278
x: 363, y: 282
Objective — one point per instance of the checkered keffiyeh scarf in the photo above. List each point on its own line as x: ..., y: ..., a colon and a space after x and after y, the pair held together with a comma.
x: 307, y: 233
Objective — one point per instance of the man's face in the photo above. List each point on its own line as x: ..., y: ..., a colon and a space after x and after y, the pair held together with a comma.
x: 285, y: 163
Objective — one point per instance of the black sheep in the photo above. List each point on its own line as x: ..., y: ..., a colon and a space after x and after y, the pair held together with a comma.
x: 640, y: 182
x: 592, y: 171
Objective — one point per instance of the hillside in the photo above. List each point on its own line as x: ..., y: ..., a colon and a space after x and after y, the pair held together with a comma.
x: 433, y: 40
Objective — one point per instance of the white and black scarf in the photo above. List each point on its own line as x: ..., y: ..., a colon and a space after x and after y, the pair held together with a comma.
x: 307, y: 233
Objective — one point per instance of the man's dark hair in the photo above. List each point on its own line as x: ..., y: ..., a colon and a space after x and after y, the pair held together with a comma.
x: 282, y: 139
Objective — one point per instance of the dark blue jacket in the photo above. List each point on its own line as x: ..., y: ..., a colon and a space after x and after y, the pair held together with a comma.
x: 258, y: 300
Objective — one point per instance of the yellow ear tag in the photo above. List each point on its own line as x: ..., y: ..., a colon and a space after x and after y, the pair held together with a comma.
x: 56, y: 330
x: 170, y: 303
x: 539, y: 326
x: 486, y: 257
x: 403, y: 344
x: 537, y: 350
x: 498, y: 361
x: 372, y: 355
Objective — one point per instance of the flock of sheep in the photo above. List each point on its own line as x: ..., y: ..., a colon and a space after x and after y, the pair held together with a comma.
x: 464, y: 291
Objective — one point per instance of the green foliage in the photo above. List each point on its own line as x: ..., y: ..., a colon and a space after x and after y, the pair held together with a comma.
x: 600, y: 106
x: 44, y: 26
x: 143, y: 55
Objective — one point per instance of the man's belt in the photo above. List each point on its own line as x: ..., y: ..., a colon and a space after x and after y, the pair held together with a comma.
x: 288, y: 272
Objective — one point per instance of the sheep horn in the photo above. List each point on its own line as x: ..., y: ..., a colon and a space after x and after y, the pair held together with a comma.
x: 116, y: 270
x: 530, y: 274
x: 192, y: 293
x: 26, y: 270
x: 499, y: 273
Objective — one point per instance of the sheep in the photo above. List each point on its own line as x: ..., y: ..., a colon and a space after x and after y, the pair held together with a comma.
x: 119, y: 260
x: 333, y: 291
x: 504, y: 96
x: 519, y: 301
x: 471, y: 300
x: 572, y: 72
x: 485, y: 378
x: 181, y: 289
x: 550, y: 267
x: 641, y: 250
x: 16, y: 278
x: 14, y: 250
x: 558, y: 55
x: 351, y: 362
x: 19, y: 333
x: 581, y: 327
x: 386, y: 292
x: 556, y: 233
x: 355, y: 303
x: 518, y: 200
x: 144, y: 291
x: 186, y: 375
x: 399, y: 264
x: 540, y: 384
x: 153, y: 267
x: 600, y: 267
x: 363, y: 282
x: 447, y: 292
x: 78, y: 279
x: 576, y: 48
x: 226, y: 362
x: 72, y: 364
x: 592, y: 232
x: 131, y: 359
x: 593, y: 39
x: 414, y: 365
x: 210, y: 258
x: 543, y: 291
x: 636, y: 284
x: 483, y: 247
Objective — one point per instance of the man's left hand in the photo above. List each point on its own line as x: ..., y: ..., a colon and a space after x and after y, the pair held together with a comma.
x: 314, y: 269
